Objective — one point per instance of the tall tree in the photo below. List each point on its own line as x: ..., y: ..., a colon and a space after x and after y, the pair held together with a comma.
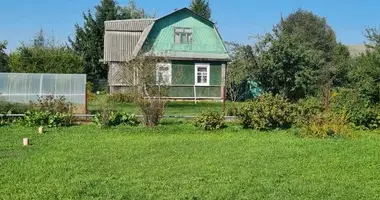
x: 300, y: 56
x: 310, y: 31
x: 89, y: 38
x: 39, y: 39
x: 201, y: 7
x: 365, y: 73
x: 3, y: 57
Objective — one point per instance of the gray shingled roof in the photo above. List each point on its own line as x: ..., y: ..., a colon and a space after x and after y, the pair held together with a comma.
x: 122, y: 37
x: 128, y: 25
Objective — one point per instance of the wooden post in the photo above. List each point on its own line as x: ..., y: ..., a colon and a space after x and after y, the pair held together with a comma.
x: 25, y: 141
x: 224, y: 99
x: 86, y: 101
x: 41, y: 130
x: 195, y: 94
x: 224, y: 78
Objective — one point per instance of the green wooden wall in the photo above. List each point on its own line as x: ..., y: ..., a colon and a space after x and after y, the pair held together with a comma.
x: 205, y: 36
x: 183, y: 80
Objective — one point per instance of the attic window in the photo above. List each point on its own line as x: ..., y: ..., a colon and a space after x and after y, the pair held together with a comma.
x: 183, y: 35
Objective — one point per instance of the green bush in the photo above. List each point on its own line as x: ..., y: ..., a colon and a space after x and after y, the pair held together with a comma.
x: 4, y: 121
x: 13, y: 108
x: 267, y: 112
x: 152, y: 111
x: 90, y: 91
x: 307, y: 108
x: 47, y: 118
x: 107, y: 119
x: 361, y: 113
x: 210, y: 120
x: 52, y: 104
x: 234, y: 109
x: 326, y: 125
x: 120, y: 98
x: 50, y: 111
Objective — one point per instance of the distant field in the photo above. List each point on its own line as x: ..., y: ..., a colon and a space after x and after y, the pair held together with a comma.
x: 181, y: 162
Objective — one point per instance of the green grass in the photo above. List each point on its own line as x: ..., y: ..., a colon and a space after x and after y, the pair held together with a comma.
x: 177, y: 161
x: 173, y: 108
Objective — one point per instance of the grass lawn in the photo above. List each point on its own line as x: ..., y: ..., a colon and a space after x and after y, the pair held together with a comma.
x: 180, y: 162
x: 173, y: 108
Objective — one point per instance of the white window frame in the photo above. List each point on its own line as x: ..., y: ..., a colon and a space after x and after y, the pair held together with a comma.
x: 169, y: 73
x: 199, y: 65
x: 188, y: 32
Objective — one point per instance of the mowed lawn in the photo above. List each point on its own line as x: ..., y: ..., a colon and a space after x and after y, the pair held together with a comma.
x: 177, y: 161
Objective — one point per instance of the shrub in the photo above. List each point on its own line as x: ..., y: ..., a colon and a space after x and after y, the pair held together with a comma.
x: 210, y: 120
x: 152, y: 111
x: 3, y: 122
x: 47, y: 118
x: 90, y: 91
x: 359, y: 109
x: 267, y: 112
x: 375, y: 121
x: 120, y: 98
x: 16, y: 108
x: 234, y: 109
x: 325, y: 125
x: 307, y: 108
x: 53, y: 104
x: 114, y: 119
x: 50, y: 111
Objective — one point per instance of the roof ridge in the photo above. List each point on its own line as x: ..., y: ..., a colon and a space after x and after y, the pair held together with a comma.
x: 125, y: 20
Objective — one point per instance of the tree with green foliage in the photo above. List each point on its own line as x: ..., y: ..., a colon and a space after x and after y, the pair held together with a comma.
x: 3, y: 57
x: 300, y: 56
x: 39, y: 39
x: 45, y: 56
x: 365, y: 73
x: 240, y: 70
x: 201, y: 7
x: 89, y: 38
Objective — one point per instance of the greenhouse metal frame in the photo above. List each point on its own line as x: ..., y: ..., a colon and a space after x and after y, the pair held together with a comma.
x: 26, y: 87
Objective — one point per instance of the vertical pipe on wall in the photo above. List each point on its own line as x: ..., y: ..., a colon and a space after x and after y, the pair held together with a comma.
x: 224, y: 99
x: 224, y: 72
x: 86, y: 100
x: 195, y: 94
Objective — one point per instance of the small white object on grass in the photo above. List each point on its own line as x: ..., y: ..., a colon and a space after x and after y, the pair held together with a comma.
x: 25, y: 141
x: 41, y: 130
x: 97, y: 92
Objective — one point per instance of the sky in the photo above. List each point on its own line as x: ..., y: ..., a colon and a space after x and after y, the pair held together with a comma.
x: 237, y: 20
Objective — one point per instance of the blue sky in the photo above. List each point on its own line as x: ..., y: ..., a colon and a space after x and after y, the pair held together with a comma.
x: 237, y: 19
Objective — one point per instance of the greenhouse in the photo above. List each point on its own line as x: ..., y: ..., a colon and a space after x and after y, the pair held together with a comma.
x: 26, y: 87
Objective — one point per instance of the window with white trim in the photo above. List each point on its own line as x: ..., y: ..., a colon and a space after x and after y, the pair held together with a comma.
x: 183, y: 35
x: 164, y: 74
x: 202, y: 74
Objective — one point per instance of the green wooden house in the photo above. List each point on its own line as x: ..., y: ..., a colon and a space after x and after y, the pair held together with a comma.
x: 196, y: 52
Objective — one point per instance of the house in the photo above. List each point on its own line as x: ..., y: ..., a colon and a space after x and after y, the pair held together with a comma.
x: 196, y: 54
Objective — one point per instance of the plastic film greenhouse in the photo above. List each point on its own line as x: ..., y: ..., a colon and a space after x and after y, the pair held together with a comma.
x: 25, y: 87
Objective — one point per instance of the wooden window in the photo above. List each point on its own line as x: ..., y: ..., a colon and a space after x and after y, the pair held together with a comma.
x: 202, y: 74
x: 183, y: 35
x: 164, y: 74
